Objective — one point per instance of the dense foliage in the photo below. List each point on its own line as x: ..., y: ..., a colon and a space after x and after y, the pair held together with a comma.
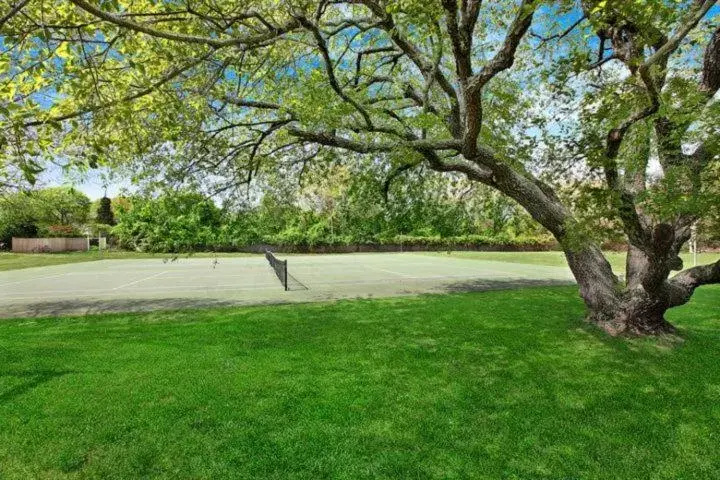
x: 104, y: 213
x: 343, y: 207
x: 51, y: 212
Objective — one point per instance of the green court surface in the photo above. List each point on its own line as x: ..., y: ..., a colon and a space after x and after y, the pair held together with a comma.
x: 154, y: 284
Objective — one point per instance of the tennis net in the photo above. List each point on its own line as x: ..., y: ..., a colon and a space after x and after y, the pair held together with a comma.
x: 280, y: 267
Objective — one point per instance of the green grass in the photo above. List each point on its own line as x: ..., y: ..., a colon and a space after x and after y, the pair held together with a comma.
x: 492, y: 385
x: 15, y: 261
x: 557, y: 259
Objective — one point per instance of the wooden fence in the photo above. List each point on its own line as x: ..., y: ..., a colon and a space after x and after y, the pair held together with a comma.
x: 49, y: 245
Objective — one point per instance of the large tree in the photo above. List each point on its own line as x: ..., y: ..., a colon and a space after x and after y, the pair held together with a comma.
x: 221, y: 90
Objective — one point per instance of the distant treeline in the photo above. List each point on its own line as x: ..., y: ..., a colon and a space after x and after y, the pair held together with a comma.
x: 340, y: 210
x: 188, y: 222
x: 424, y: 212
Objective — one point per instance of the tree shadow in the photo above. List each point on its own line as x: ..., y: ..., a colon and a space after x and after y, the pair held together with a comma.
x: 32, y: 380
x: 95, y: 306
x: 484, y: 284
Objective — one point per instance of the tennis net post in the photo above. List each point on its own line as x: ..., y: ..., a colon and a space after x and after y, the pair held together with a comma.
x: 280, y: 268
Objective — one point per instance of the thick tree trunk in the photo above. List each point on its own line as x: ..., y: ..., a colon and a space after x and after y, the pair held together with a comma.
x: 616, y: 307
x: 598, y: 284
x: 636, y: 263
x: 638, y: 306
x: 635, y: 307
x: 636, y: 313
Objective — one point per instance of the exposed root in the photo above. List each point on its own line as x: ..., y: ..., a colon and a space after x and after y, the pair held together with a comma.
x: 634, y: 326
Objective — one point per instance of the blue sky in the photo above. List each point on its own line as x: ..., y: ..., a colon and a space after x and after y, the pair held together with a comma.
x: 91, y: 183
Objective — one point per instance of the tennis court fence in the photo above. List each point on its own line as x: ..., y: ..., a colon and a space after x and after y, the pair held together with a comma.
x: 49, y: 245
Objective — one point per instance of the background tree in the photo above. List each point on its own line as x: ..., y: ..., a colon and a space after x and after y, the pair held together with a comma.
x: 339, y: 205
x: 219, y: 92
x: 55, y: 212
x: 61, y: 206
x: 105, y: 214
x: 182, y: 222
x: 17, y: 219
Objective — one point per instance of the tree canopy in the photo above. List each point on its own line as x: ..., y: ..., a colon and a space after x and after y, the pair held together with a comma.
x: 613, y: 99
x: 57, y: 211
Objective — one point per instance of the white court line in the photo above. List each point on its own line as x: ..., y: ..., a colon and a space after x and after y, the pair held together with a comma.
x: 174, y: 273
x: 36, y: 278
x: 388, y: 271
x: 215, y: 277
x: 141, y: 280
x: 383, y: 281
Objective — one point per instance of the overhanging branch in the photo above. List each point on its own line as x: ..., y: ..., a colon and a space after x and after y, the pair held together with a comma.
x: 333, y: 140
x: 172, y: 74
x: 185, y: 38
x: 13, y: 11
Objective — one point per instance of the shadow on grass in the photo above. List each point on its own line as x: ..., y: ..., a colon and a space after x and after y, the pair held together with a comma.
x: 31, y: 379
x: 89, y: 306
x: 94, y: 306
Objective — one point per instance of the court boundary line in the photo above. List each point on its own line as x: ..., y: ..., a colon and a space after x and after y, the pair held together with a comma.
x: 141, y: 280
x: 404, y: 275
x: 35, y: 278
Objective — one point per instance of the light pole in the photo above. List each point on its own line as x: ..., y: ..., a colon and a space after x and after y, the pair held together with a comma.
x: 693, y: 243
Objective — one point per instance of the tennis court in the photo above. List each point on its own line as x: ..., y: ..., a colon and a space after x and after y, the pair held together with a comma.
x: 152, y: 284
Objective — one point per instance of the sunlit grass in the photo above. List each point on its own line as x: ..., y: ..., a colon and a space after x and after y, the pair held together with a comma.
x: 490, y: 385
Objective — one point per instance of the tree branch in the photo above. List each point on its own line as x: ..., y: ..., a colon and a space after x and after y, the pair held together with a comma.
x: 243, y: 102
x: 13, y: 11
x: 460, y: 42
x: 473, y: 171
x: 560, y: 35
x: 331, y: 72
x: 501, y: 61
x: 697, y: 12
x: 129, y: 98
x: 332, y: 140
x: 505, y: 58
x: 416, y: 57
x: 123, y: 22
x: 710, y: 82
x: 681, y: 287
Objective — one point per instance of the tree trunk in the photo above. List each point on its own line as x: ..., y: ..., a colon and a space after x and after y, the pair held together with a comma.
x: 636, y: 263
x: 636, y: 313
x: 635, y: 307
x: 615, y: 307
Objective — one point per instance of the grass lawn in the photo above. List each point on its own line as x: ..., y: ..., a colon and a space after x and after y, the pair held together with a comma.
x: 15, y: 261
x: 557, y: 259
x: 503, y: 384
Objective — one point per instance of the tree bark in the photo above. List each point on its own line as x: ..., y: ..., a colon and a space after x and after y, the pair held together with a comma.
x: 618, y: 309
x: 637, y: 307
x: 638, y: 313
